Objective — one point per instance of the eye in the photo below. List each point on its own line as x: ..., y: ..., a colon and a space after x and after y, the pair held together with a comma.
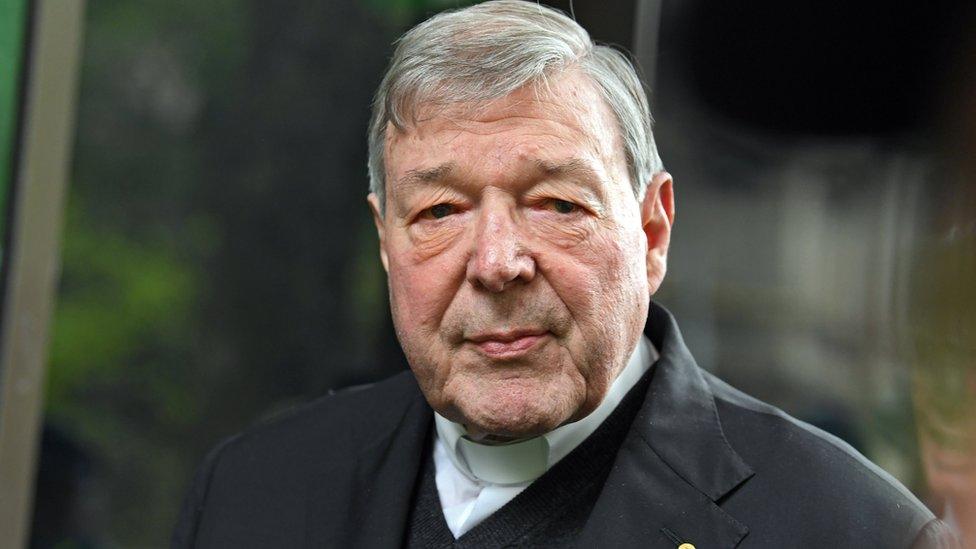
x: 564, y: 207
x: 439, y: 211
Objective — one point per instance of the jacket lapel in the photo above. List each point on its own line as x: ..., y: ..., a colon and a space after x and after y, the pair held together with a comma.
x: 382, y: 485
x: 675, y: 464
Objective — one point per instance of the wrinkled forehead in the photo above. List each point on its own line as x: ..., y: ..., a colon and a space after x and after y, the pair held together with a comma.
x: 569, y: 103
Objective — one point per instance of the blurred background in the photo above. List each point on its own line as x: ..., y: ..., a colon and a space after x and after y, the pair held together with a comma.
x: 218, y: 263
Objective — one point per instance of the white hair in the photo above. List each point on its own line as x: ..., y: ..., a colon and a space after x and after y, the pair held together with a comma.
x: 489, y: 50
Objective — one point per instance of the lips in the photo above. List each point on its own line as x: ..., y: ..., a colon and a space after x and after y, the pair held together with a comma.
x: 509, y: 344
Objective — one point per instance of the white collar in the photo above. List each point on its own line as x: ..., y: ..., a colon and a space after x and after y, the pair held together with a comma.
x: 526, y: 460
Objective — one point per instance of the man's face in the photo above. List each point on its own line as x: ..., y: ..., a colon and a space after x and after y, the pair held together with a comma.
x: 520, y: 263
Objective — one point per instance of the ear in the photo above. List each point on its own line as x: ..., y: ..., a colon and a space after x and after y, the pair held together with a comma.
x: 657, y: 218
x: 374, y: 206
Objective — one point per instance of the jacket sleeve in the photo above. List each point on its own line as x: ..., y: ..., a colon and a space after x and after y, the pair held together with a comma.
x: 188, y: 524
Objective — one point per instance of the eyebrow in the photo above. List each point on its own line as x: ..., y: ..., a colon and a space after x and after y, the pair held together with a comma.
x: 576, y: 169
x: 571, y: 167
x: 427, y: 175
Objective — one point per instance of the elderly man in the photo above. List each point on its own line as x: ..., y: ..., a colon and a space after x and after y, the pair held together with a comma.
x: 524, y: 219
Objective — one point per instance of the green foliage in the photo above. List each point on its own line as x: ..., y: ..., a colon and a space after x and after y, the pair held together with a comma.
x: 120, y: 298
x: 121, y: 339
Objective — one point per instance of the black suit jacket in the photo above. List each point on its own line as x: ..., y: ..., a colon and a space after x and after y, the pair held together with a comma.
x: 703, y: 461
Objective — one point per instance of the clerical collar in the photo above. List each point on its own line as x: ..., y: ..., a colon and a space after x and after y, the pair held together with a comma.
x: 526, y: 460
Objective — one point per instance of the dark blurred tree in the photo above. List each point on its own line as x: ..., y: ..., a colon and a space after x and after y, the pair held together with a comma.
x: 293, y: 300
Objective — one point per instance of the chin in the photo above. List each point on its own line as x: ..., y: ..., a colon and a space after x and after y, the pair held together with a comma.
x: 516, y: 409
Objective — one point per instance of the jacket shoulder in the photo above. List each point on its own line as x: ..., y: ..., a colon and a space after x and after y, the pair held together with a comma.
x: 265, y: 471
x: 350, y: 416
x: 807, y: 480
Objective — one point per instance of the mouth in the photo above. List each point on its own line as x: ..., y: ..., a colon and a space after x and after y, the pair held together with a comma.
x: 509, y: 344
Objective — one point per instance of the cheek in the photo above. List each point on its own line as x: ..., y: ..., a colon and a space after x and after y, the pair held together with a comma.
x: 429, y: 240
x: 625, y: 261
x: 419, y: 297
x: 562, y: 232
x: 421, y: 289
x: 600, y: 274
x: 603, y: 284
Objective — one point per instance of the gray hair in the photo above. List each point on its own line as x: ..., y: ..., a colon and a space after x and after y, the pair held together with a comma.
x: 488, y: 51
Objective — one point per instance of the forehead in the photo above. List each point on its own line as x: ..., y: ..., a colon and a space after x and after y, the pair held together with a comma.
x: 565, y: 117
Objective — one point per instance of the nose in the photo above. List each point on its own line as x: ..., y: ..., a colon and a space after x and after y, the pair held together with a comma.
x: 499, y: 256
